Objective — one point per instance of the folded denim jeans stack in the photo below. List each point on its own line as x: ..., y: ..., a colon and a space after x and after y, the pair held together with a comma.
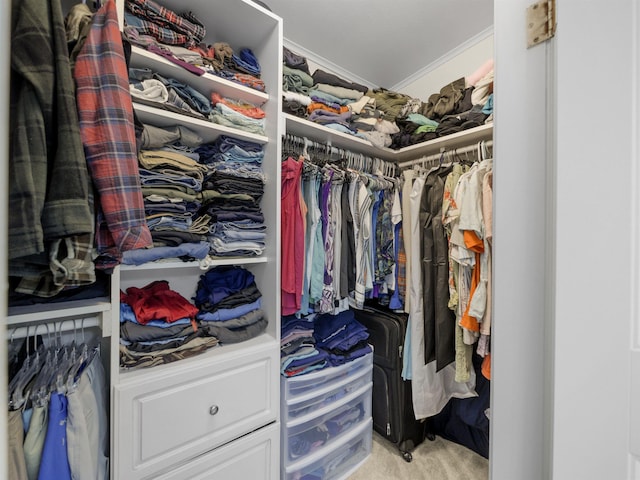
x: 237, y: 225
x: 172, y: 189
x: 229, y: 304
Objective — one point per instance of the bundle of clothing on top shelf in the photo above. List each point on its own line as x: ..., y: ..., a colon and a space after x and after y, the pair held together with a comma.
x: 200, y: 198
x: 178, y: 37
x: 158, y: 325
x: 384, y: 117
x: 151, y: 88
x: 316, y: 341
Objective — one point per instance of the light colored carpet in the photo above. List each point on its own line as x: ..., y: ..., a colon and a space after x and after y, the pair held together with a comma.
x: 437, y: 460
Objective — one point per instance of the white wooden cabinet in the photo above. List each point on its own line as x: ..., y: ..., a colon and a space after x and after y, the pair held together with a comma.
x: 214, y: 415
x: 176, y: 413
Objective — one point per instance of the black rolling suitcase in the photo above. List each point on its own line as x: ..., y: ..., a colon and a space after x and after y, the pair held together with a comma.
x: 392, y: 407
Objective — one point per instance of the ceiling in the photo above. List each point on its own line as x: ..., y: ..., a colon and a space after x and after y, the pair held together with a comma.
x: 381, y: 42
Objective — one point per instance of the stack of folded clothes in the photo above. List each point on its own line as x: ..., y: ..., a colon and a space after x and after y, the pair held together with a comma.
x: 384, y: 117
x: 157, y: 325
x: 172, y: 179
x: 341, y: 336
x: 298, y: 352
x: 179, y: 38
x: 315, y: 341
x: 151, y: 88
x: 229, y: 304
x: 237, y: 114
x: 237, y: 222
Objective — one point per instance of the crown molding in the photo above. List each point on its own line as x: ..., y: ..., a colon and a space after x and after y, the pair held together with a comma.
x: 450, y: 55
x: 327, y: 64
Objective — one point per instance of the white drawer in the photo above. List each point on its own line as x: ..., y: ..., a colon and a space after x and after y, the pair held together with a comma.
x: 254, y: 456
x: 161, y: 420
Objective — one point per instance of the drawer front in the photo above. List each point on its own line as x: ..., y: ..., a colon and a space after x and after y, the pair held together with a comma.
x: 304, y: 386
x: 318, y: 429
x: 164, y: 421
x: 254, y: 456
x: 334, y: 461
x: 323, y: 395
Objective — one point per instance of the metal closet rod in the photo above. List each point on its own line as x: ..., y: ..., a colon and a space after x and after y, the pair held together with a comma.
x: 436, y: 156
x: 48, y: 328
x: 390, y: 168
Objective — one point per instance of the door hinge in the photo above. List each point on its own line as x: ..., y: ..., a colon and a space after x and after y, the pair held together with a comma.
x: 541, y: 22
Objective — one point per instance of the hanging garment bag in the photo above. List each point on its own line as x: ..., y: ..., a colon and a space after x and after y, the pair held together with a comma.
x: 392, y: 408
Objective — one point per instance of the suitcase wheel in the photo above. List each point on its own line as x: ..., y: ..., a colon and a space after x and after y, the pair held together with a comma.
x: 407, y: 456
x: 431, y: 436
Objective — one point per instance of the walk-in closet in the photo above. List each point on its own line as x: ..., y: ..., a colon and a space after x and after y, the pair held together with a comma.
x: 280, y: 240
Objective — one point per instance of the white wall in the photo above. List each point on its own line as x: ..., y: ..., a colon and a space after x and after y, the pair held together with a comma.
x: 595, y: 255
x: 429, y: 79
x: 519, y: 386
x: 459, y: 63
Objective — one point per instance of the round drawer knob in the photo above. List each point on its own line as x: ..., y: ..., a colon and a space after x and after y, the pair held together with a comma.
x: 213, y: 410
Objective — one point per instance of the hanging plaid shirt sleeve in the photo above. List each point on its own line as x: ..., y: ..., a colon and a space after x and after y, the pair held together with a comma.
x: 108, y: 133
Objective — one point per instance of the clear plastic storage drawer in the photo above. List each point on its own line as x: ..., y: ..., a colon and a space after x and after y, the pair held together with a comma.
x: 338, y: 459
x: 321, y: 427
x: 324, y: 395
x: 303, y: 384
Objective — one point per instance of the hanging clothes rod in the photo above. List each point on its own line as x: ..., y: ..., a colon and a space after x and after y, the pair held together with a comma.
x: 456, y: 151
x: 66, y: 325
x: 331, y: 153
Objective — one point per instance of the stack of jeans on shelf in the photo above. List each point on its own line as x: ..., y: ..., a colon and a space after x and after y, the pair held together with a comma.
x: 237, y: 227
x: 171, y: 179
x: 230, y: 304
x: 316, y: 341
x: 157, y: 325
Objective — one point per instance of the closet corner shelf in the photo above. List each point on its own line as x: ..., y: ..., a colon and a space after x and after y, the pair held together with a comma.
x: 172, y: 263
x: 305, y: 128
x: 209, y: 131
x: 76, y: 309
x: 205, y: 84
x: 135, y: 375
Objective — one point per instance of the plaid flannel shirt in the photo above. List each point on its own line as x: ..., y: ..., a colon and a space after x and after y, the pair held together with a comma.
x: 176, y: 29
x: 108, y: 133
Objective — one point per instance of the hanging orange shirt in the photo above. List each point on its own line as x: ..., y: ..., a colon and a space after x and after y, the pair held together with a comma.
x: 475, y: 244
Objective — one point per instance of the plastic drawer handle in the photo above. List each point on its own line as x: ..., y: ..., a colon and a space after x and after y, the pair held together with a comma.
x: 213, y: 410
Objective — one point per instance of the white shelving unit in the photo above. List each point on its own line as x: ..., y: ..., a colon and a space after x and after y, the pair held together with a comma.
x: 219, y: 410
